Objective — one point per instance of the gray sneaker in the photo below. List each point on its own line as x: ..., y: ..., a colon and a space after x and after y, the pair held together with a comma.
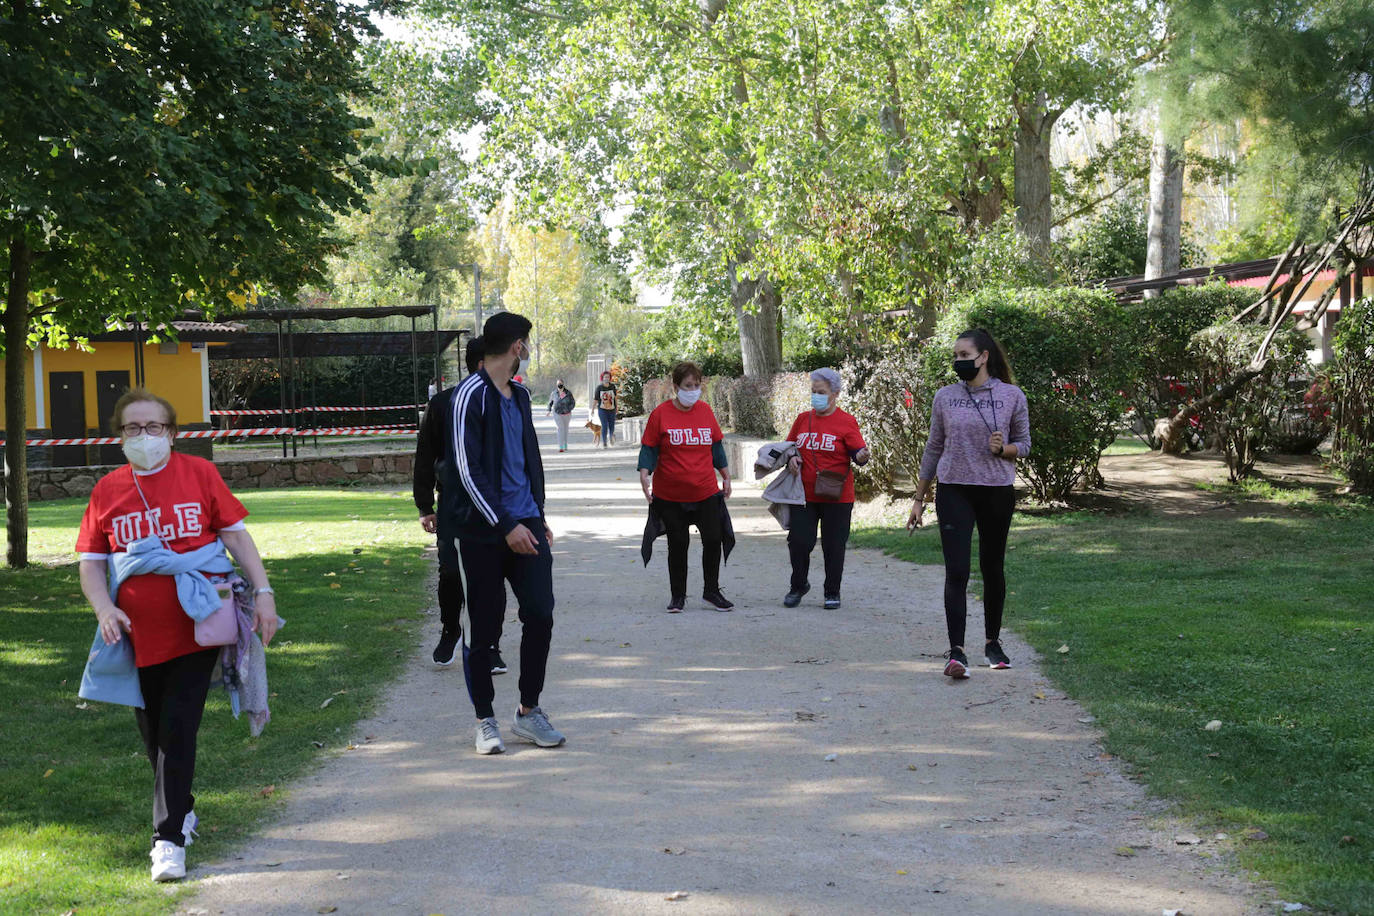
x: 489, y: 736
x: 536, y: 727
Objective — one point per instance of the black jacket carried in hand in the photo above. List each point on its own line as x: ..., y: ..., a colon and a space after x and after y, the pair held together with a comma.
x: 432, y: 449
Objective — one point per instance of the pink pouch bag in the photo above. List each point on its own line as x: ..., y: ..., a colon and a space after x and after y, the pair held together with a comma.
x: 222, y: 626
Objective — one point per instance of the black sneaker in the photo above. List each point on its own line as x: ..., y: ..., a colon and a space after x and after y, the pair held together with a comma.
x: 957, y: 666
x: 718, y: 600
x: 994, y: 656
x: 498, y: 664
x: 675, y: 604
x: 832, y: 602
x: 447, y: 651
x: 794, y: 597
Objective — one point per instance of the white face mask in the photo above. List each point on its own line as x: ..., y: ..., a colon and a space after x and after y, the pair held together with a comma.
x: 688, y: 397
x: 146, y: 452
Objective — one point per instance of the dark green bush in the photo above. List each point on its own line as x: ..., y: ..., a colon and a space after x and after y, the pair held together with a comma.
x: 1244, y: 425
x: 1073, y: 353
x: 1352, y: 390
x: 630, y: 373
x: 1162, y: 327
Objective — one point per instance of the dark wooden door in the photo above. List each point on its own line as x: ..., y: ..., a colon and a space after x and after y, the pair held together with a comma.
x: 110, y: 385
x: 67, y: 410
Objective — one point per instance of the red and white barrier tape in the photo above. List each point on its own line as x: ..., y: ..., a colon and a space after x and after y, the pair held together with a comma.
x: 359, y: 431
x: 321, y: 430
x: 240, y: 434
x: 276, y: 411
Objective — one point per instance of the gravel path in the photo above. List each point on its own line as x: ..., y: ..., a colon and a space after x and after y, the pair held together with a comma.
x: 699, y: 762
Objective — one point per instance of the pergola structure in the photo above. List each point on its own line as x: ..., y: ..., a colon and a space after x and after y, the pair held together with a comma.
x: 288, y: 346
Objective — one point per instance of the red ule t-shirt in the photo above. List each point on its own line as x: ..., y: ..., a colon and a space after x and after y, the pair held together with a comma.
x: 188, y: 503
x: 685, y: 472
x: 826, y: 444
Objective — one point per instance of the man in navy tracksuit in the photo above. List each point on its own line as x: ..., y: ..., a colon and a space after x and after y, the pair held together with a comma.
x: 433, y: 444
x: 498, y: 480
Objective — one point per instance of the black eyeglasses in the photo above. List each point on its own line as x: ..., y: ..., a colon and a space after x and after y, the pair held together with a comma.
x: 152, y: 429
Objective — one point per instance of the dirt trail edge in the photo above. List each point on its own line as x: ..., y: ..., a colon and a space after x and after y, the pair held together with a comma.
x: 698, y: 764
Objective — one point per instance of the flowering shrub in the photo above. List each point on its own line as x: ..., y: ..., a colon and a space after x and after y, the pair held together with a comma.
x: 1245, y: 425
x: 1162, y: 326
x: 888, y: 397
x: 1352, y: 389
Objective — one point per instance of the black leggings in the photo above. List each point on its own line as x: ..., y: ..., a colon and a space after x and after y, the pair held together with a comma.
x: 834, y: 520
x: 174, y: 700
x: 677, y: 517
x: 961, y: 507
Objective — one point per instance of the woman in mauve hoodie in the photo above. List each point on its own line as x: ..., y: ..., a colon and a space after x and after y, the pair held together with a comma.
x: 979, y: 426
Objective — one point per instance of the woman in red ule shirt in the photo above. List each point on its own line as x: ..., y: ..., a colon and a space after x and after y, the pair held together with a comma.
x: 681, y: 450
x: 187, y: 506
x: 828, y: 439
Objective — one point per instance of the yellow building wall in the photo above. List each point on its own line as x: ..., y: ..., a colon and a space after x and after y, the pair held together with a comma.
x: 179, y: 378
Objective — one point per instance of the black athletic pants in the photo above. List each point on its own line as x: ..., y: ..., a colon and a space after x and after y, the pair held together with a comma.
x: 489, y: 567
x: 677, y: 518
x: 451, y: 595
x: 801, y: 540
x: 173, y: 702
x: 961, y: 507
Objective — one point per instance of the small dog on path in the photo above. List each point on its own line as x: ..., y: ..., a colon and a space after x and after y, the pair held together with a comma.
x: 596, y: 431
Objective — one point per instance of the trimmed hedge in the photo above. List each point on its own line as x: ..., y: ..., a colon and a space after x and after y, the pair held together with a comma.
x: 1352, y: 386
x: 789, y: 396
x: 1073, y: 352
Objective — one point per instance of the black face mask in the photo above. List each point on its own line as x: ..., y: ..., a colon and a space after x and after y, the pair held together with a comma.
x: 965, y: 369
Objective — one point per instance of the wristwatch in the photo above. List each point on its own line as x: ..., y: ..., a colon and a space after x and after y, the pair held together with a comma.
x: 265, y: 590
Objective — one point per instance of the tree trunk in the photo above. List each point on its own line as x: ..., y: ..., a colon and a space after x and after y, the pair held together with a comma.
x: 1166, y: 211
x: 16, y: 325
x: 756, y: 304
x: 1031, y: 170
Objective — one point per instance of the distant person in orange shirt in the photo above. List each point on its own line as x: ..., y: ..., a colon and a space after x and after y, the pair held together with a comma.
x: 827, y: 440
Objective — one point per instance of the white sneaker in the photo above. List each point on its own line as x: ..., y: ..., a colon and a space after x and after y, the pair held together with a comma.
x: 169, y: 861
x: 188, y: 828
x: 489, y: 736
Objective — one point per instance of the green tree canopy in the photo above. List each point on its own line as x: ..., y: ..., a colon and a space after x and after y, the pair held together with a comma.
x: 162, y: 154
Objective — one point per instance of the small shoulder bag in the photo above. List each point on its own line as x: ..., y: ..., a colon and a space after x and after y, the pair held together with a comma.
x: 829, y: 484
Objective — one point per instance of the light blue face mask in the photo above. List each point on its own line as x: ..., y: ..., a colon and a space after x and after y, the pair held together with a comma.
x: 820, y: 401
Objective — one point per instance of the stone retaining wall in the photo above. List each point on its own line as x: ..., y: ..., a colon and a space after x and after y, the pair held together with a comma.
x: 360, y: 470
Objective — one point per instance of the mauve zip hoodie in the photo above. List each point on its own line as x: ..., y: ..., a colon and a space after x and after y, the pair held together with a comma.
x: 957, y: 450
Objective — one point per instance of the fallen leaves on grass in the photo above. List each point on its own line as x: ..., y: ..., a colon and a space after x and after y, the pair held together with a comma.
x: 1063, y: 650
x: 327, y: 701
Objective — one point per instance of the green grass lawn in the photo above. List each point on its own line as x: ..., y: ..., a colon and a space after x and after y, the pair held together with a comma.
x: 1264, y: 621
x: 75, y: 788
x: 1127, y: 445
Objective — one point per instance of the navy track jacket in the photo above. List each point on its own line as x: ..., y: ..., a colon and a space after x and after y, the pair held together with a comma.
x: 474, y: 475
